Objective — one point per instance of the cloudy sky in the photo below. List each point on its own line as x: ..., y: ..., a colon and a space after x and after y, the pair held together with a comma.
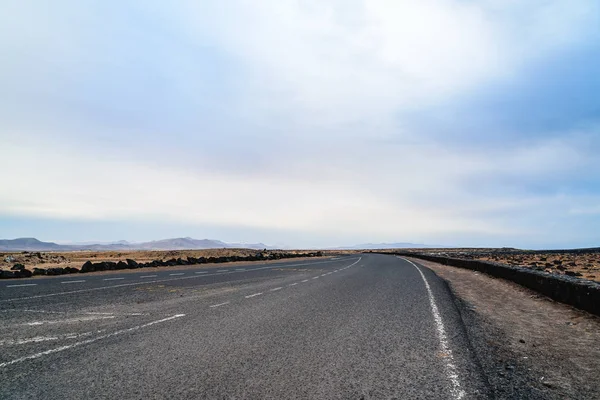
x: 304, y: 123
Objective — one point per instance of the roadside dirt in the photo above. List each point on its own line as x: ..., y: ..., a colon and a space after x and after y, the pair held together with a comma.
x: 75, y: 259
x: 529, y: 346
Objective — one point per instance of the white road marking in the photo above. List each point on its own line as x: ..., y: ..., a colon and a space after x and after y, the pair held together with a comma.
x: 253, y: 295
x: 201, y: 272
x: 451, y: 370
x: 293, y: 284
x: 306, y: 280
x: 65, y: 312
x: 134, y: 284
x: 37, y: 339
x: 69, y: 321
x: 240, y: 269
x: 63, y: 348
x: 275, y: 289
x: 148, y: 276
x: 323, y: 274
x: 72, y: 281
x: 219, y: 305
x: 177, y: 274
x: 23, y: 285
x: 316, y: 277
x: 112, y: 279
x: 222, y: 270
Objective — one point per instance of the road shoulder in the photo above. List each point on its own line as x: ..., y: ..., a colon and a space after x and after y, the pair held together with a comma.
x: 529, y: 346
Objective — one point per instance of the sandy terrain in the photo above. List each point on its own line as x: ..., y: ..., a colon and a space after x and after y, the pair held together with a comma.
x: 583, y: 264
x: 76, y: 259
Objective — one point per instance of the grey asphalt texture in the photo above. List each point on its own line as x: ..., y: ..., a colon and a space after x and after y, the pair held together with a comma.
x: 355, y: 327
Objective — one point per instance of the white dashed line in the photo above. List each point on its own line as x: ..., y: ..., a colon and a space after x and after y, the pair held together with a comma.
x: 221, y: 270
x: 451, y: 370
x: 240, y: 269
x: 201, y: 272
x: 219, y: 305
x: 70, y: 320
x: 63, y: 348
x: 112, y: 279
x: 177, y: 274
x: 306, y: 280
x: 316, y: 277
x: 148, y: 276
x: 293, y: 284
x: 275, y: 289
x: 253, y: 295
x: 23, y: 285
x: 72, y: 281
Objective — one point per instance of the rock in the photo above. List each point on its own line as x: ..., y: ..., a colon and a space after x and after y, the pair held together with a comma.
x: 24, y: 273
x: 39, y: 271
x: 55, y: 271
x: 132, y: 263
x: 521, y: 341
x: 17, y: 267
x: 572, y: 273
x: 122, y: 265
x: 88, y: 267
x: 71, y: 270
x: 7, y: 274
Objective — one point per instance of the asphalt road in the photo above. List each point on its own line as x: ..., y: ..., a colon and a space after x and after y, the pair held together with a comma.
x: 355, y: 327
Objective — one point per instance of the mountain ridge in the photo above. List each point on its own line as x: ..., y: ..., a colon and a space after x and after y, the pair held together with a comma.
x: 185, y: 243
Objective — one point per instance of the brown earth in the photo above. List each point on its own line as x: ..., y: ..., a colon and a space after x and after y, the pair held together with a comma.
x: 585, y: 265
x: 76, y: 259
x: 515, y: 332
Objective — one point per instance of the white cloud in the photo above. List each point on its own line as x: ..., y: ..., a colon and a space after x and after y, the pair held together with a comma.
x: 340, y: 61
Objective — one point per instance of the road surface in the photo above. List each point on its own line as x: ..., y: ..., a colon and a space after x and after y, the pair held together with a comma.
x: 354, y: 327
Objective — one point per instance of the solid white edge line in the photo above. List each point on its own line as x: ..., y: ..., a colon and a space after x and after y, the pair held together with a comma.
x: 451, y: 370
x: 113, y: 279
x: 70, y: 346
x: 137, y: 284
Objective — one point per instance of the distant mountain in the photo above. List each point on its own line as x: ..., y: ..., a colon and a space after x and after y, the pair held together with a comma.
x: 186, y: 243
x: 376, y: 246
x: 28, y: 244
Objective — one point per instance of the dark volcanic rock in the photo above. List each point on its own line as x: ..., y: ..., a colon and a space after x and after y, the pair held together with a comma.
x: 17, y: 267
x: 39, y: 271
x: 23, y: 273
x: 55, y: 271
x: 132, y: 263
x: 7, y: 274
x: 122, y: 265
x: 88, y: 267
